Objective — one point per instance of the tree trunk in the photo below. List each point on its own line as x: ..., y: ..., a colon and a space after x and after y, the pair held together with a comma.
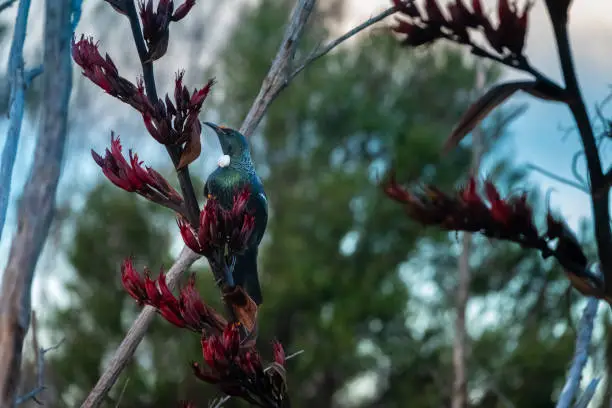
x: 38, y: 201
x: 460, y: 392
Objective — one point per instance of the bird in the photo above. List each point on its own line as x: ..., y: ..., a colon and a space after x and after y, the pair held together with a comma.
x: 234, y: 172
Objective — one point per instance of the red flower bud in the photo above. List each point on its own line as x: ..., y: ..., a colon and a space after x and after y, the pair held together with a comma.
x: 198, y: 97
x: 132, y: 281
x: 153, y: 294
x: 193, y: 309
x: 231, y: 340
x: 189, y: 235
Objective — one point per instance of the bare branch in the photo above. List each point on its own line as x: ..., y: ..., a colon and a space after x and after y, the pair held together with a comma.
x: 587, y: 395
x: 459, y: 396
x: 581, y: 355
x: 127, y: 381
x: 6, y: 4
x: 601, y: 200
x: 39, y: 354
x: 278, y: 77
x: 319, y: 52
x: 17, y: 83
x: 560, y: 179
x: 38, y: 202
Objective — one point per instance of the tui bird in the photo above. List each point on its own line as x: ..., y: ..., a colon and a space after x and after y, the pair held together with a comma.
x: 230, y: 177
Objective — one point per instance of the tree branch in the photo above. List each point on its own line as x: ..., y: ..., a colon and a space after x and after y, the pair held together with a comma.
x: 6, y: 4
x: 320, y: 52
x: 599, y: 192
x: 38, y: 203
x: 587, y: 395
x: 39, y: 354
x: 278, y: 76
x: 17, y: 81
x: 459, y: 395
x: 581, y: 354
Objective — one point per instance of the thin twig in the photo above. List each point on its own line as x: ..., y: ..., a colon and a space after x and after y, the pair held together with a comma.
x: 127, y: 381
x: 558, y: 178
x: 6, y: 4
x: 576, y: 171
x: 39, y: 355
x: 319, y: 52
x: 277, y: 77
x: 587, y: 395
x: 585, y: 331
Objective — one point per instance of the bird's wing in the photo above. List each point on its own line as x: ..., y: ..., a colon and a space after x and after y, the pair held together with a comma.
x: 259, y: 204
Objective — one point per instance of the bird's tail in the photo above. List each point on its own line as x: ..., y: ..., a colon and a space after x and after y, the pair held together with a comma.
x: 245, y: 274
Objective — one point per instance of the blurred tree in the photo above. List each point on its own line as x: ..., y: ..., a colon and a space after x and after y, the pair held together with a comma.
x: 337, y: 253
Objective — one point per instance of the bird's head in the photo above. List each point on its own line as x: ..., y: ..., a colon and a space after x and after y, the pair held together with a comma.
x: 233, y: 143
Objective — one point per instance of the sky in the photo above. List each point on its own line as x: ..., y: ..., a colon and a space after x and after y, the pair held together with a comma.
x: 537, y: 136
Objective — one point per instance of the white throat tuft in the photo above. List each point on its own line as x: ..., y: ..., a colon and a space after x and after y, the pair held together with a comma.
x: 223, y: 161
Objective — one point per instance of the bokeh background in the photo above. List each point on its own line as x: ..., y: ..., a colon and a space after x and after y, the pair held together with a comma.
x: 365, y: 292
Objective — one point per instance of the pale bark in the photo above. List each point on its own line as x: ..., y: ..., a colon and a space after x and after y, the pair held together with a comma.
x: 38, y: 201
x: 460, y: 342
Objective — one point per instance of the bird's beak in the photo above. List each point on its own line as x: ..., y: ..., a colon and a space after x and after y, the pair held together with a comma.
x: 214, y: 127
x: 218, y: 129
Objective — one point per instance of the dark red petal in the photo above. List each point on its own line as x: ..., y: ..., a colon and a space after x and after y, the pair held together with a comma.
x: 434, y: 13
x: 231, y: 340
x: 132, y: 281
x: 192, y: 306
x: 153, y: 294
x: 189, y: 235
x: 198, y: 97
x: 182, y: 10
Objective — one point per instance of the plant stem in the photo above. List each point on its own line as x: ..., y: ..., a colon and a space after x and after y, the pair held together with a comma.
x: 191, y: 202
x: 599, y: 192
